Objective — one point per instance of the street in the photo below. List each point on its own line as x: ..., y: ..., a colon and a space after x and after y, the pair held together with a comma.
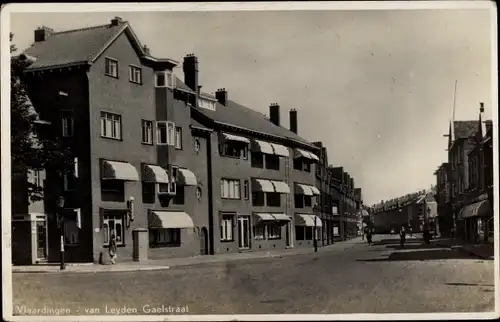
x: 381, y: 278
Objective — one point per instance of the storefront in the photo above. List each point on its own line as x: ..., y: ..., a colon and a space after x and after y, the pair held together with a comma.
x: 475, y: 219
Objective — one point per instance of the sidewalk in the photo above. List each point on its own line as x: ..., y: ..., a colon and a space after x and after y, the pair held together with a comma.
x: 160, y: 264
x: 484, y: 251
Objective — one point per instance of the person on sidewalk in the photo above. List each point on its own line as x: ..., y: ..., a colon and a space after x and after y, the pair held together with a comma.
x: 113, y: 249
x: 402, y: 236
x: 369, y: 236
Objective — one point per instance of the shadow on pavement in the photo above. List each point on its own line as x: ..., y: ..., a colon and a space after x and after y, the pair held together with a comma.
x: 395, y: 242
x: 469, y: 284
x: 420, y: 256
x: 421, y: 245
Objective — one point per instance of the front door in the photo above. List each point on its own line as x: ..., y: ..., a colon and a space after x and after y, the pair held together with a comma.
x: 203, y: 241
x: 41, y: 238
x: 244, y: 232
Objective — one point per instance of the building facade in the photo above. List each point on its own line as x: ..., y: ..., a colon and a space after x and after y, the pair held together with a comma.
x: 162, y: 164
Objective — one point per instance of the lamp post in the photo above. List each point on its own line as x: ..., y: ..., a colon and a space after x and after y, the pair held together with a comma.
x: 60, y: 215
x: 315, y: 240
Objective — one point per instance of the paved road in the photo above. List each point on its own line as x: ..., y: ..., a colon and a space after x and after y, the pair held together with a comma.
x: 363, y: 279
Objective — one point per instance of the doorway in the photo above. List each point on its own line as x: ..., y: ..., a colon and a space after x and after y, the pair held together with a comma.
x: 41, y: 240
x: 203, y: 241
x: 244, y: 232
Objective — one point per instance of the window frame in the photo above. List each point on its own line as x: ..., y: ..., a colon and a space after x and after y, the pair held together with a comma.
x: 169, y: 132
x: 114, y: 119
x: 259, y: 231
x: 236, y: 188
x: 69, y: 176
x: 67, y: 124
x: 226, y: 228
x: 246, y: 190
x: 107, y: 231
x: 272, y: 229
x: 165, y: 237
x: 108, y: 60
x: 132, y: 75
x: 178, y: 138
x: 167, y: 75
x: 144, y: 126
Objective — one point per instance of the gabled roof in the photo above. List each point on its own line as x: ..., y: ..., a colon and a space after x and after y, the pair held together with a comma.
x: 82, y: 46
x: 243, y: 117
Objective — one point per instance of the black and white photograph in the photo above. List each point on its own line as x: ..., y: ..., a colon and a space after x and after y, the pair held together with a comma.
x: 250, y: 161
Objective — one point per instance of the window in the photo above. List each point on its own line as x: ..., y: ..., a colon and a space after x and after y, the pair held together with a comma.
x: 113, y: 224
x: 307, y: 167
x: 67, y: 124
x: 165, y: 79
x: 297, y: 164
x: 259, y: 232
x: 147, y: 132
x: 165, y: 237
x: 273, y: 199
x: 178, y: 138
x: 111, y: 125
x: 197, y: 145
x: 207, y: 104
x: 307, y: 201
x: 72, y: 227
x: 148, y: 192
x: 258, y: 199
x: 299, y: 201
x: 226, y: 228
x: 246, y: 189
x: 274, y: 231
x: 244, y: 152
x: 300, y: 232
x: 272, y: 162
x: 257, y: 159
x: 135, y: 74
x: 69, y: 181
x: 230, y: 189
x: 309, y: 233
x: 111, y: 67
x: 165, y: 133
x: 230, y: 149
x: 112, y: 190
x: 179, y: 195
x: 37, y: 179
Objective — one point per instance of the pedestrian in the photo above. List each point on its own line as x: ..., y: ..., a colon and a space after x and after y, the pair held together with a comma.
x: 113, y: 251
x: 402, y: 236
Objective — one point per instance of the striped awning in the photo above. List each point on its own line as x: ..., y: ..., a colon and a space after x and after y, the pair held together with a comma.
x: 154, y: 173
x: 280, y: 150
x: 232, y: 137
x: 478, y: 209
x: 263, y: 217
x: 169, y: 219
x: 281, y: 217
x: 262, y: 185
x: 262, y: 146
x: 308, y: 220
x: 315, y: 190
x: 280, y: 187
x: 115, y: 170
x: 302, y: 189
x: 186, y: 177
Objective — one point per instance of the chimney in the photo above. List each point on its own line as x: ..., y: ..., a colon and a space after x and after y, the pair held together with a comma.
x: 116, y: 21
x: 293, y: 121
x: 146, y: 50
x: 274, y: 114
x: 190, y: 69
x: 43, y: 33
x: 221, y: 96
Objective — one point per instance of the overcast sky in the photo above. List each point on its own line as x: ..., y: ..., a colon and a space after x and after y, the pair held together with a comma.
x: 375, y: 86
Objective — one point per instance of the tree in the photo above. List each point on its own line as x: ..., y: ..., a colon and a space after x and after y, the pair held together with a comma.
x: 31, y: 147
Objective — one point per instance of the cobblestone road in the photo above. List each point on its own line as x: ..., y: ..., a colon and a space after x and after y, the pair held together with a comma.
x: 363, y: 279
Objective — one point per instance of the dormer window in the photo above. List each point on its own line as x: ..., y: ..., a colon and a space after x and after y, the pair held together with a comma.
x: 165, y: 79
x: 206, y: 104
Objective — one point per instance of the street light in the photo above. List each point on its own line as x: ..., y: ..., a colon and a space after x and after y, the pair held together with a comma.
x: 60, y: 215
x: 315, y: 241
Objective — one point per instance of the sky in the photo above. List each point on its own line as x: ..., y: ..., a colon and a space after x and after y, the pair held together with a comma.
x: 375, y: 86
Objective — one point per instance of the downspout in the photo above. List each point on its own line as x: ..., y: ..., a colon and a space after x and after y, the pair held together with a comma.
x: 210, y: 195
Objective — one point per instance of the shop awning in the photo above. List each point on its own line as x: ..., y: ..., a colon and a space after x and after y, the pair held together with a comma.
x: 302, y: 189
x: 154, y: 173
x: 231, y: 137
x: 115, y: 170
x: 169, y: 219
x: 299, y: 153
x: 262, y: 146
x: 186, y: 177
x: 281, y: 187
x: 263, y: 217
x: 478, y: 209
x: 262, y: 185
x: 281, y: 217
x: 315, y: 190
x: 308, y: 220
x: 280, y: 150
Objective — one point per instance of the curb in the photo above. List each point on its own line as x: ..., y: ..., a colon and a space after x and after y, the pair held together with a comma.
x: 467, y: 251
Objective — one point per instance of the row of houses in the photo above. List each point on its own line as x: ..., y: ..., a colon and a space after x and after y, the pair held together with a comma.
x: 413, y: 211
x: 465, y: 181
x: 169, y: 169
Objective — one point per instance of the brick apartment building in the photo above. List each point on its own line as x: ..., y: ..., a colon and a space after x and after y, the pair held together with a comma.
x: 157, y: 159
